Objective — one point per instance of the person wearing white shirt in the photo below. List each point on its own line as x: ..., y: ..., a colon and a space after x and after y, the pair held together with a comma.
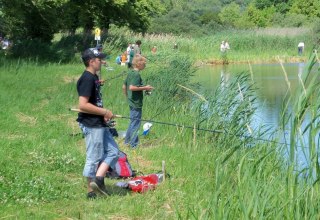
x: 226, y: 45
x: 222, y: 47
x: 300, y: 48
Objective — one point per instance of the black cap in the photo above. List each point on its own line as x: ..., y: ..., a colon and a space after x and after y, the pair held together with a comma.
x: 92, y: 53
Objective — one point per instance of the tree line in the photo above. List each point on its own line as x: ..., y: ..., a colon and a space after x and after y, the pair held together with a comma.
x: 41, y: 19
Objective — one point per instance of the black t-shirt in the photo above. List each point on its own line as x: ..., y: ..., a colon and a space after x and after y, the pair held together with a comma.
x: 88, y: 85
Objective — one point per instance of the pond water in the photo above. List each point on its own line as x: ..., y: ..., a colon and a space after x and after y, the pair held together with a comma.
x: 269, y: 79
x: 271, y: 83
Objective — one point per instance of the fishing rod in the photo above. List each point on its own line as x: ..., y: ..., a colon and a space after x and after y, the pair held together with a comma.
x: 117, y: 76
x: 102, y: 81
x: 186, y: 126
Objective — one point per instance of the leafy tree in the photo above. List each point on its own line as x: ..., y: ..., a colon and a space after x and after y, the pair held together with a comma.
x: 294, y: 20
x: 239, y: 2
x: 29, y: 19
x: 261, y: 4
x: 208, y: 17
x: 260, y: 18
x: 42, y: 18
x: 310, y: 8
x: 176, y: 22
x: 282, y: 7
x: 230, y: 14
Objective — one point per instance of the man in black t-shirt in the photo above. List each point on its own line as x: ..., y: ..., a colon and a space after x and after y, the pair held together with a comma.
x: 101, y: 150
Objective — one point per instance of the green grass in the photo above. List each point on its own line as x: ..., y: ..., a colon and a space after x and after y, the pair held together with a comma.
x: 213, y: 176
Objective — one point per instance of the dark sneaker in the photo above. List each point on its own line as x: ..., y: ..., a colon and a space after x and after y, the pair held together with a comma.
x: 91, y: 195
x: 99, y: 187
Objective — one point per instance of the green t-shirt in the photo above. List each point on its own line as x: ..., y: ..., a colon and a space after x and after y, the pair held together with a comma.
x: 135, y: 98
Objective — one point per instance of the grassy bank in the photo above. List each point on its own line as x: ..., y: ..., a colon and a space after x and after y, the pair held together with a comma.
x: 214, y: 175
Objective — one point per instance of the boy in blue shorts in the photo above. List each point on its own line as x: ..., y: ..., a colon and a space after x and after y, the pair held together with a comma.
x: 101, y: 150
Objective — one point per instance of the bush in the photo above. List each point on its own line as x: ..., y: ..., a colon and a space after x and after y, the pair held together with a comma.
x: 35, y: 49
x: 177, y: 22
x: 294, y: 20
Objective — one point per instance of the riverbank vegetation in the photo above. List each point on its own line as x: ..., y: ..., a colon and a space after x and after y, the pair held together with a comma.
x: 227, y: 171
x: 197, y: 26
x: 254, y: 46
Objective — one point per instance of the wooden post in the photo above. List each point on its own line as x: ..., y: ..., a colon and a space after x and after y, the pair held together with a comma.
x: 194, y: 135
x: 164, y: 170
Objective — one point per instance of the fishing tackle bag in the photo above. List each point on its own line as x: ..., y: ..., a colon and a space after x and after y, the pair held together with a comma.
x: 145, y: 183
x: 122, y: 168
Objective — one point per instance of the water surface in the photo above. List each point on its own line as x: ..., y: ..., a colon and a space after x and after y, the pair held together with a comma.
x: 272, y: 87
x: 269, y: 78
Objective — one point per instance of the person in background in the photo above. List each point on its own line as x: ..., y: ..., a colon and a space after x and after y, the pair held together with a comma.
x: 226, y: 45
x: 175, y: 46
x: 222, y: 47
x: 5, y: 44
x: 154, y: 50
x: 300, y: 48
x: 133, y: 89
x: 129, y: 49
x: 101, y: 150
x: 130, y: 57
x: 123, y: 59
x: 137, y: 47
x: 103, y: 62
x: 118, y: 60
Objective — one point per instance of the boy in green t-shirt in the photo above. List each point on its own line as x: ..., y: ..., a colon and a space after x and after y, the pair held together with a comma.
x: 133, y: 89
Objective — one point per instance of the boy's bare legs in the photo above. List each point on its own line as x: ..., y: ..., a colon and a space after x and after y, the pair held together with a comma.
x: 102, y: 170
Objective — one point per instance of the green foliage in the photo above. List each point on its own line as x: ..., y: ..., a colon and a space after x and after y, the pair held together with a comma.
x: 64, y: 50
x: 26, y: 19
x: 208, y: 16
x: 176, y: 22
x: 303, y: 119
x: 230, y: 110
x: 316, y: 32
x: 164, y: 79
x: 260, y: 18
x: 262, y: 4
x: 236, y: 14
x: 310, y: 8
x: 194, y: 17
x: 294, y: 20
x: 230, y: 14
x: 29, y: 20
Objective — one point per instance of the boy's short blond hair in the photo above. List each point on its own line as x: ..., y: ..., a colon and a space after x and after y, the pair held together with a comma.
x: 137, y: 59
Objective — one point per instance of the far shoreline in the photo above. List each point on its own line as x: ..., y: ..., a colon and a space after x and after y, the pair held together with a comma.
x: 213, y: 62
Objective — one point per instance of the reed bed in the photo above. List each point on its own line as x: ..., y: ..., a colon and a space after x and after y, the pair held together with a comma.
x: 254, y: 45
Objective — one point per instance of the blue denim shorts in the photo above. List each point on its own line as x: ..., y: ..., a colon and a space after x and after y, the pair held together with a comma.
x: 100, y: 147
